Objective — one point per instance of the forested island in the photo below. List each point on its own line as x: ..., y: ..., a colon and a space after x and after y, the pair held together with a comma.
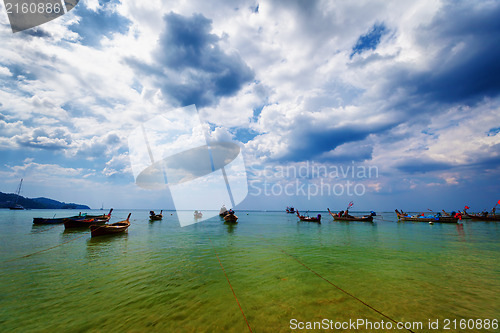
x: 7, y: 199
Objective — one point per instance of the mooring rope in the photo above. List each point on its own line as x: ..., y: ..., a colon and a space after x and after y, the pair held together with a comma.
x: 334, y: 285
x: 36, y: 232
x: 379, y: 217
x: 44, y: 250
x: 229, y: 282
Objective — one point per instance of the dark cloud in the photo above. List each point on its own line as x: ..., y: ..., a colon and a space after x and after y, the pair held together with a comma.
x: 191, y: 66
x: 370, y: 40
x: 94, y: 25
x: 423, y: 165
x: 36, y: 32
x: 465, y: 68
x: 313, y: 142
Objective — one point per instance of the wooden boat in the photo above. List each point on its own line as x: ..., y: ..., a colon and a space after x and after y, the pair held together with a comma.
x: 488, y: 218
x: 420, y: 218
x: 365, y: 218
x: 290, y: 210
x: 83, y: 223
x: 41, y: 220
x: 155, y: 217
x: 303, y: 218
x: 110, y: 229
x: 441, y: 219
x: 230, y: 218
x: 101, y: 216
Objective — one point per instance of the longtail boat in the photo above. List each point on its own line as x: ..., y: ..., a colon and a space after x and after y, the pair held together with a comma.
x: 421, y: 218
x: 405, y: 217
x: 109, y: 229
x: 230, y: 218
x: 86, y: 216
x: 84, y: 221
x: 41, y: 220
x: 155, y: 217
x: 303, y: 218
x: 365, y: 218
x: 488, y: 218
x: 441, y: 219
x: 484, y: 216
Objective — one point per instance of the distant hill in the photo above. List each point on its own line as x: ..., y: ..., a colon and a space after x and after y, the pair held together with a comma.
x: 7, y: 199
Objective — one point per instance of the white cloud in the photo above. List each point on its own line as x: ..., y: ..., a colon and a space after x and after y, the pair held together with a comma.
x: 4, y: 71
x: 57, y: 93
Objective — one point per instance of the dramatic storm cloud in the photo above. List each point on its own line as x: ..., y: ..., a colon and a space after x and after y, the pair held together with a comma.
x: 191, y: 67
x: 409, y: 87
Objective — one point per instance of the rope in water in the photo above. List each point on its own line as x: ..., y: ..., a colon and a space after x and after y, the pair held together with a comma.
x: 379, y: 217
x: 331, y: 283
x: 36, y: 232
x: 229, y: 282
x: 44, y: 250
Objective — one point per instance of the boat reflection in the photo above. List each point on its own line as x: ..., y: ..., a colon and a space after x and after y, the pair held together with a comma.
x: 230, y: 227
x: 37, y: 228
x: 105, y: 245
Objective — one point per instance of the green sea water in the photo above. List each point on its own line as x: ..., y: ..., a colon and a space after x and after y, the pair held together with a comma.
x: 160, y: 277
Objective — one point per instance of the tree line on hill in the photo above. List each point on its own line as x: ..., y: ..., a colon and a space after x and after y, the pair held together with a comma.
x: 7, y: 199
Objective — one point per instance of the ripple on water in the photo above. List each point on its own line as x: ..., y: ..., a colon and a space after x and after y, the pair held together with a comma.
x: 161, y: 277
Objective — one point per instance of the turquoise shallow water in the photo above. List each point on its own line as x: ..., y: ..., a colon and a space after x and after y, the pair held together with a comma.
x: 163, y: 278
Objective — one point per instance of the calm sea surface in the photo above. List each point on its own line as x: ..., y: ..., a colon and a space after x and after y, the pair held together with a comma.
x: 163, y: 278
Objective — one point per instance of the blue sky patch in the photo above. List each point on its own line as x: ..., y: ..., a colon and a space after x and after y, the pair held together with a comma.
x: 94, y: 25
x: 370, y: 40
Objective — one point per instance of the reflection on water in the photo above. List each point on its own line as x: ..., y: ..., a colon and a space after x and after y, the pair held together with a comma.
x: 230, y: 227
x: 78, y: 230
x: 106, y: 244
x: 167, y: 278
x: 36, y: 228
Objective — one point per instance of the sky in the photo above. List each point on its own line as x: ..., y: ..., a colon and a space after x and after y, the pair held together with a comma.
x: 389, y: 104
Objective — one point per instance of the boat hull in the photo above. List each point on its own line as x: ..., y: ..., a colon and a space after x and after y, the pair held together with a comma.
x: 485, y: 218
x: 69, y: 223
x: 442, y: 219
x: 367, y: 218
x: 111, y: 229
x: 230, y: 218
x: 40, y: 220
x: 309, y: 219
